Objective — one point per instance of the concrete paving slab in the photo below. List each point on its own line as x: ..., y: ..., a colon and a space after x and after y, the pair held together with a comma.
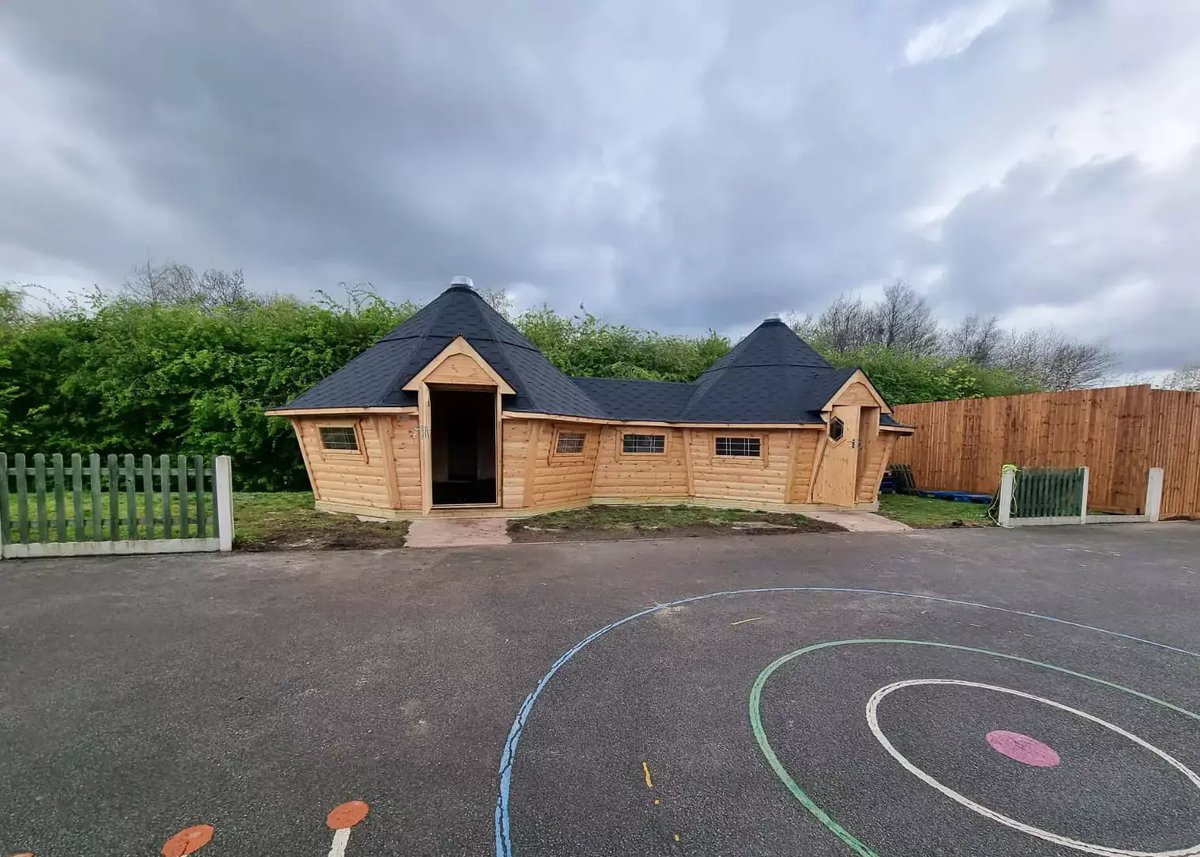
x: 456, y: 532
x: 859, y: 522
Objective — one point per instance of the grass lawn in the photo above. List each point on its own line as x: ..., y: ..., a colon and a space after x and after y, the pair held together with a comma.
x: 286, y: 520
x: 274, y: 521
x: 928, y: 512
x: 624, y: 522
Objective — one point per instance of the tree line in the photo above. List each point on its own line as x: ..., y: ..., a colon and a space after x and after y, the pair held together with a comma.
x: 183, y: 361
x: 902, y: 321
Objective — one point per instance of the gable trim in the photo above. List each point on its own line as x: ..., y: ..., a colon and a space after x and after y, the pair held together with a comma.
x: 859, y: 377
x: 458, y: 345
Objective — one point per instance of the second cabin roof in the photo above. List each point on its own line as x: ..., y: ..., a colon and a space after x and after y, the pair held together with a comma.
x: 771, y: 376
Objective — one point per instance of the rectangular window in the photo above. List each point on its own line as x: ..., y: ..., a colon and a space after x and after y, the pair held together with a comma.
x: 740, y: 447
x: 339, y: 437
x: 652, y: 443
x: 569, y: 443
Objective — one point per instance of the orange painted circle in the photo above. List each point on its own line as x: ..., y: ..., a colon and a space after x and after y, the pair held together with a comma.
x: 188, y: 840
x: 347, y: 814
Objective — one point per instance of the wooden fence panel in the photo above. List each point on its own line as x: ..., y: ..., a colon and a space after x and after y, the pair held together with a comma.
x: 1119, y: 433
x: 109, y: 500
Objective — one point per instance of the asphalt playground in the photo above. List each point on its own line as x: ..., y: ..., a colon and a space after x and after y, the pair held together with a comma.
x: 970, y: 692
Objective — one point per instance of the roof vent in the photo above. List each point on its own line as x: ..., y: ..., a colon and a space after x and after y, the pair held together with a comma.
x: 462, y: 281
x: 773, y: 318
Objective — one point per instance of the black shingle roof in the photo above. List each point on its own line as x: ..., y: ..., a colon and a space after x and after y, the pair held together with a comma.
x: 377, y: 376
x: 771, y: 376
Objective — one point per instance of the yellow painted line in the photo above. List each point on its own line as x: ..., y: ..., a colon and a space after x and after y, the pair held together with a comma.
x: 744, y: 621
x: 646, y: 771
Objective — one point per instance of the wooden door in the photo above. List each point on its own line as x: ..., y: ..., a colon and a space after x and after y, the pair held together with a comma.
x: 837, y: 480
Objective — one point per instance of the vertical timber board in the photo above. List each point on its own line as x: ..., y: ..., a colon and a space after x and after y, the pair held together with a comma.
x: 164, y: 467
x: 148, y: 490
x: 39, y: 487
x: 818, y: 457
x: 426, y: 435
x: 22, y: 498
x: 131, y: 519
x: 97, y: 505
x: 536, y: 429
x: 793, y: 461
x: 4, y: 505
x: 385, y: 430
x: 77, y: 495
x: 114, y: 499
x: 312, y: 481
x: 498, y: 464
x: 181, y: 488
x: 687, y: 462
x: 201, y: 509
x: 60, y: 498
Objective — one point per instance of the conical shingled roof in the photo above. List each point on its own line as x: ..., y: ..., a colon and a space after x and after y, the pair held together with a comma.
x: 378, y: 375
x: 771, y: 376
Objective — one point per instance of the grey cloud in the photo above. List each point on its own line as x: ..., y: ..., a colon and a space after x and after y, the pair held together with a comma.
x: 673, y: 165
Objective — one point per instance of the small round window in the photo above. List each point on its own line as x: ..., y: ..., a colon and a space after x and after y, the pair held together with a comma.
x: 837, y: 429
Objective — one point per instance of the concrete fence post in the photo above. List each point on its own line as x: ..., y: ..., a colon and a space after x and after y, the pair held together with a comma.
x: 1007, y: 479
x: 1154, y: 489
x: 1083, y: 502
x: 224, y: 498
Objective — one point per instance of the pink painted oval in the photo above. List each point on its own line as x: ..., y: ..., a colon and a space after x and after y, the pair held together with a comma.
x: 1023, y: 749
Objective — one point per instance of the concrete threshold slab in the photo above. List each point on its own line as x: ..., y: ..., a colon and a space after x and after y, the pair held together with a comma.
x: 859, y: 522
x: 456, y: 532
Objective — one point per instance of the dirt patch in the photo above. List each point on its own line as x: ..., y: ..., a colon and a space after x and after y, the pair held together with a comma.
x: 598, y: 523
x: 350, y: 534
x: 288, y: 521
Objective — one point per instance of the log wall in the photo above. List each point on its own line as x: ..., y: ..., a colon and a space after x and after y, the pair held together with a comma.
x: 637, y: 475
x: 556, y: 479
x: 728, y: 478
x: 354, y: 478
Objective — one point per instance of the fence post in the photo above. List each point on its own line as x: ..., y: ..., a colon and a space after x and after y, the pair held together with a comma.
x: 223, y: 473
x: 1154, y: 489
x: 1083, y: 504
x: 3, y: 502
x: 1007, y: 478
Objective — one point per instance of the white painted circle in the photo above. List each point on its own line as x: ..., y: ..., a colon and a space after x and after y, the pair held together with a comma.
x: 1057, y: 839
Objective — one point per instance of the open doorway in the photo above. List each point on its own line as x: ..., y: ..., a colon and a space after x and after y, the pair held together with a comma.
x: 463, y: 446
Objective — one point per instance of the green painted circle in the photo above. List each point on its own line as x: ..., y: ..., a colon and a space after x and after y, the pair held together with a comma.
x: 760, y: 734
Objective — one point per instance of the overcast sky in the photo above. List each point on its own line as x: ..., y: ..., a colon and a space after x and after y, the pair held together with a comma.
x: 673, y: 165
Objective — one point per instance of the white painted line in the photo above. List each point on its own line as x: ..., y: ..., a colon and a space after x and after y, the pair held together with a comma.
x: 341, y: 837
x: 1057, y: 839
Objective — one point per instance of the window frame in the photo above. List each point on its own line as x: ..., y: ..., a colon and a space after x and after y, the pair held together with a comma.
x: 725, y: 456
x: 353, y: 425
x: 829, y: 429
x: 623, y: 452
x: 556, y: 455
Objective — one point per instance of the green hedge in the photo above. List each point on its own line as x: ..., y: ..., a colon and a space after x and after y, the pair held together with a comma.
x: 117, y: 375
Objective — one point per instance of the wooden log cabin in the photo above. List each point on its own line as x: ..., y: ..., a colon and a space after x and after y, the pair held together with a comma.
x: 455, y: 413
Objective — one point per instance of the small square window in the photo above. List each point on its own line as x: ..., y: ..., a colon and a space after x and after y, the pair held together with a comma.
x: 569, y: 443
x: 340, y: 438
x: 739, y: 447
x: 837, y: 429
x: 644, y: 443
